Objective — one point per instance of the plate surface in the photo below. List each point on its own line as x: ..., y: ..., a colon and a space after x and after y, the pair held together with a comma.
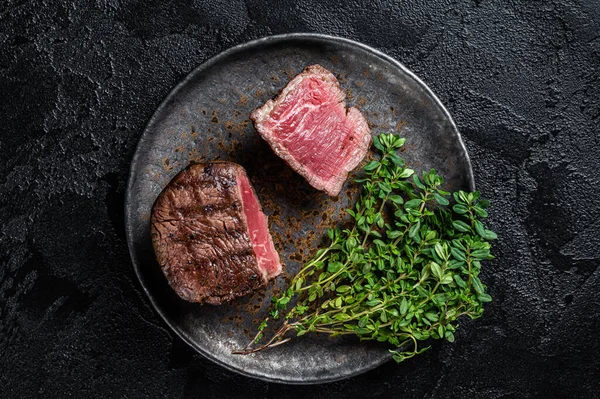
x: 206, y: 117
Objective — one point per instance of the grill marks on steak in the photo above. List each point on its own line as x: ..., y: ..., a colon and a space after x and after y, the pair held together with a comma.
x: 210, y: 236
x: 309, y: 126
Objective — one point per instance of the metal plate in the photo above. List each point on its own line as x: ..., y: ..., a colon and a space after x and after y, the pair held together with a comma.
x: 206, y: 118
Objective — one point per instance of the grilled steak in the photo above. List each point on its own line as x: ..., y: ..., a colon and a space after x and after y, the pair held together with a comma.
x: 309, y: 126
x: 210, y: 235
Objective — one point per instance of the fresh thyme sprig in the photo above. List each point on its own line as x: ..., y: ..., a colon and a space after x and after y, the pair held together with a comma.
x: 403, y: 273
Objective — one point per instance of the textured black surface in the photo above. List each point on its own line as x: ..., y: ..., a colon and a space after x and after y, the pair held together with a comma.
x: 79, y: 80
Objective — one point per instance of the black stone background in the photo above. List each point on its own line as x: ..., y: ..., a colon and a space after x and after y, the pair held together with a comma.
x: 79, y: 80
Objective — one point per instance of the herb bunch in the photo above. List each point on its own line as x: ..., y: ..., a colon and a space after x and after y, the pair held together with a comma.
x: 405, y: 270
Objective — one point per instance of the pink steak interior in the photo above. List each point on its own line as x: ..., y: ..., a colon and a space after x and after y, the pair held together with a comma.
x: 306, y: 123
x: 266, y: 255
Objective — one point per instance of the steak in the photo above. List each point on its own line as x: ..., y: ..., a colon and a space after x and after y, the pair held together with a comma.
x: 210, y: 235
x: 309, y: 126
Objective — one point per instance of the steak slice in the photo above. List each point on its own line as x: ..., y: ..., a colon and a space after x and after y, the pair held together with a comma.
x: 309, y: 126
x: 210, y: 235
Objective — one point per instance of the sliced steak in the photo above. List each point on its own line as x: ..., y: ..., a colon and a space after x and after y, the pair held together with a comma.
x: 309, y: 126
x: 210, y: 235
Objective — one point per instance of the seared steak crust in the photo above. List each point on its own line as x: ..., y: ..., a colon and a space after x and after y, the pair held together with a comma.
x: 200, y: 235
